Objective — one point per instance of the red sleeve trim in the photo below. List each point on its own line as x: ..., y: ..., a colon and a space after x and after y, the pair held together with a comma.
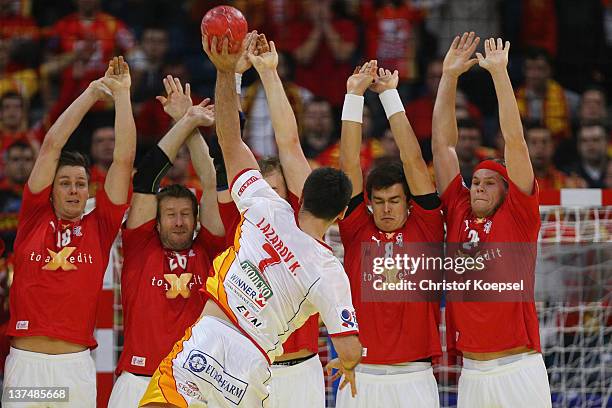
x: 344, y: 334
x: 240, y: 173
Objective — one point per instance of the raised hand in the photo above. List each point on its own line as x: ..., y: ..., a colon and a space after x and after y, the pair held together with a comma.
x: 100, y: 90
x: 223, y: 61
x: 385, y: 80
x: 496, y: 55
x: 202, y: 114
x: 249, y: 46
x: 459, y: 59
x: 362, y: 78
x: 177, y: 101
x: 264, y: 57
x: 117, y: 77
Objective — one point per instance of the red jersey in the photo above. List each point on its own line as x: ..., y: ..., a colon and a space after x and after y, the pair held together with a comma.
x: 59, y: 266
x: 160, y: 294
x: 484, y: 327
x: 307, y: 336
x: 392, y: 332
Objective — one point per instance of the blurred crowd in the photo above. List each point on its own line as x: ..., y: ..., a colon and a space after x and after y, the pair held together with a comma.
x: 560, y: 63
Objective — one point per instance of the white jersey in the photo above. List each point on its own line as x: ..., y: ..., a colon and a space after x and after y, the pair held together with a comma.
x: 275, y: 275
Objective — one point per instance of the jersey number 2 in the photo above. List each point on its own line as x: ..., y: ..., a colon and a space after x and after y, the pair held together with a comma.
x: 272, y: 260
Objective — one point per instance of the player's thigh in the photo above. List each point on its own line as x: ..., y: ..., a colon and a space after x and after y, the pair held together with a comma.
x: 128, y: 390
x: 301, y: 385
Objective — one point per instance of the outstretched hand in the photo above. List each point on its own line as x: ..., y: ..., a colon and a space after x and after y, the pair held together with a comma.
x: 117, y: 77
x: 385, y: 80
x: 362, y: 78
x: 177, y: 101
x: 223, y: 61
x: 202, y: 114
x: 459, y: 59
x: 348, y: 376
x: 264, y: 56
x: 249, y: 46
x: 496, y: 55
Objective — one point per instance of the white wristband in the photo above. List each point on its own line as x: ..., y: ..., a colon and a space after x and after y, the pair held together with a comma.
x: 353, y: 108
x: 238, y: 83
x: 391, y: 102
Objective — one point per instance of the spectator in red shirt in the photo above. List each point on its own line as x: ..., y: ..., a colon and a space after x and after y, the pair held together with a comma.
x: 391, y: 35
x: 93, y: 37
x: 317, y: 127
x: 322, y: 44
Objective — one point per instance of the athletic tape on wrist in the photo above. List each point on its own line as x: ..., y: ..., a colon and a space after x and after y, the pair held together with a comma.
x: 238, y: 83
x: 353, y: 108
x: 391, y: 102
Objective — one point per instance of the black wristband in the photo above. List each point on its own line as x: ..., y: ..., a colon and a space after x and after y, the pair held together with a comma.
x: 151, y: 169
x: 352, y: 205
x: 429, y: 201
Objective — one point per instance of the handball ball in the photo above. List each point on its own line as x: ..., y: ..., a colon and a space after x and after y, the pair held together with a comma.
x: 225, y: 21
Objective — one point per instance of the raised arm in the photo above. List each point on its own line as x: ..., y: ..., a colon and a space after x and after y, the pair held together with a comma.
x: 157, y: 161
x: 352, y: 113
x: 236, y: 154
x: 444, y: 131
x: 415, y: 168
x: 118, y: 178
x: 516, y: 153
x: 45, y: 166
x: 293, y: 162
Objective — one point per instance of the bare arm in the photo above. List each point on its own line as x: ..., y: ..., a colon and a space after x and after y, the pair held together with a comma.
x: 415, y: 168
x: 349, y: 355
x: 444, y: 124
x: 293, y: 162
x: 210, y: 218
x: 236, y: 153
x: 516, y: 153
x: 45, y: 166
x: 350, y: 137
x: 118, y: 178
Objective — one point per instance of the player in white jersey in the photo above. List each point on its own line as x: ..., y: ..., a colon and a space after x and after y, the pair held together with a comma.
x: 266, y: 285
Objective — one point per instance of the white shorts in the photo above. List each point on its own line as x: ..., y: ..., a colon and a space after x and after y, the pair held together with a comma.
x: 128, y: 390
x: 513, y: 381
x: 298, y: 386
x: 416, y: 389
x: 214, y: 365
x: 76, y: 371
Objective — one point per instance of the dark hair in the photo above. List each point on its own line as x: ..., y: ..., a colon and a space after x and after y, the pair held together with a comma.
x: 533, y: 125
x: 12, y: 95
x: 385, y: 175
x: 177, y: 191
x: 533, y: 53
x: 19, y: 144
x: 68, y: 158
x: 269, y: 165
x: 594, y: 123
x: 326, y: 192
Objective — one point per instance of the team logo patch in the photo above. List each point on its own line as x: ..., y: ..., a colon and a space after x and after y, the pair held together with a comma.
x: 205, y: 367
x: 77, y: 231
x: 139, y: 361
x: 22, y: 325
x: 348, y: 317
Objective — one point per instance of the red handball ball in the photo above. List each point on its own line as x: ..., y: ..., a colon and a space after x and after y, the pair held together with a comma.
x: 225, y: 21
